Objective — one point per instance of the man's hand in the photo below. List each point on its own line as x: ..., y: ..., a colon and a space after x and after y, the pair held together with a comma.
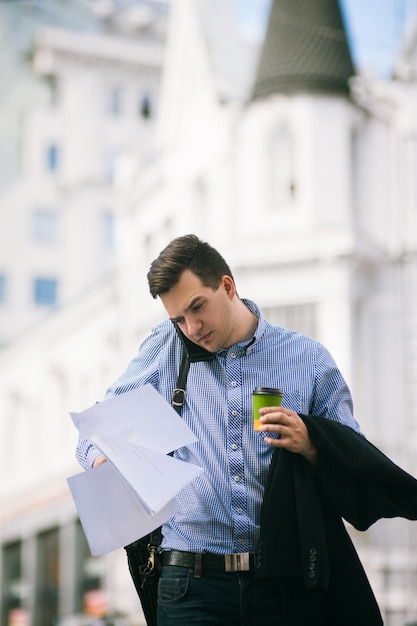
x: 99, y: 460
x: 292, y: 430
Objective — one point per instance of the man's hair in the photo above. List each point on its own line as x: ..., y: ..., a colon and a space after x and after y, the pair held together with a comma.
x: 186, y: 253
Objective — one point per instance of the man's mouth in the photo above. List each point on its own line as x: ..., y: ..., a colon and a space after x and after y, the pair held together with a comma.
x: 204, y: 338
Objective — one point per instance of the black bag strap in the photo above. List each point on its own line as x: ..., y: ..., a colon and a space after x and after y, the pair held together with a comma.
x: 191, y: 353
x: 178, y: 395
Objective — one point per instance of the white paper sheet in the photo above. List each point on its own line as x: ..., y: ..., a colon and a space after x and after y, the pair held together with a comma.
x: 156, y: 478
x: 141, y: 416
x: 135, y: 491
x: 109, y: 512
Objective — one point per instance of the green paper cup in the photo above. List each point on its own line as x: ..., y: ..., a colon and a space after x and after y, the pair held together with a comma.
x: 264, y: 396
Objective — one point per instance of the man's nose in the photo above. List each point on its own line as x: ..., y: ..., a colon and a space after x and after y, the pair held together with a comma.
x: 193, y: 326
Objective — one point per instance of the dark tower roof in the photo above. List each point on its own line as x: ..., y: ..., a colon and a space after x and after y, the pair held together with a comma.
x: 305, y: 48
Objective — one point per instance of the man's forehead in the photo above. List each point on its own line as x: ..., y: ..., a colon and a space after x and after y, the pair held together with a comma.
x: 184, y: 294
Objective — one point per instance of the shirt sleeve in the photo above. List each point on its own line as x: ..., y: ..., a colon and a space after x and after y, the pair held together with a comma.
x: 332, y: 397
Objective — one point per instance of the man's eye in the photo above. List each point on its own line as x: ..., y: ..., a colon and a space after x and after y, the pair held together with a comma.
x: 197, y: 307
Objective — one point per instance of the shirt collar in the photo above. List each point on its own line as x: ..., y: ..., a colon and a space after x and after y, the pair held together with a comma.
x: 260, y: 329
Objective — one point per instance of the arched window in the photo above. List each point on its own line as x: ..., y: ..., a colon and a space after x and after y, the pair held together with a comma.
x: 145, y: 106
x: 281, y: 170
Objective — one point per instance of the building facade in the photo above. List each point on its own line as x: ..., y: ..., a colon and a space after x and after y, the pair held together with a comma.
x: 305, y: 182
x: 78, y: 114
x: 78, y: 106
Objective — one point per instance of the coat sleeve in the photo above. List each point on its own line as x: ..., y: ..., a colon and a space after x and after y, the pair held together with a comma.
x: 360, y: 482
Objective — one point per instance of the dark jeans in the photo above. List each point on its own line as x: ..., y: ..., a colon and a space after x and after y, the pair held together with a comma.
x: 216, y: 599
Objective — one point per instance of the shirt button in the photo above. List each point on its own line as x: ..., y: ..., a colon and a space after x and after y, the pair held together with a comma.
x: 233, y: 383
x: 240, y: 511
x: 233, y: 355
x: 236, y: 479
x: 234, y: 413
x: 234, y: 446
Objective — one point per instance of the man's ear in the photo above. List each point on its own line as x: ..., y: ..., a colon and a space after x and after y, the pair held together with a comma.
x: 229, y: 285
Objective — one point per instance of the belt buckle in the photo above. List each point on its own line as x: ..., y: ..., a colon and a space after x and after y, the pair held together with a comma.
x: 237, y: 562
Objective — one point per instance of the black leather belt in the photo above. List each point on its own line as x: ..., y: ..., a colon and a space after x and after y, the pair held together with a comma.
x: 240, y: 562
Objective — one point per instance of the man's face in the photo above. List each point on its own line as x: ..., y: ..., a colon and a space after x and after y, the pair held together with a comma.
x: 204, y: 315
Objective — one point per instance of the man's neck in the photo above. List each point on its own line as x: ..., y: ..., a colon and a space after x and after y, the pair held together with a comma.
x: 247, y: 323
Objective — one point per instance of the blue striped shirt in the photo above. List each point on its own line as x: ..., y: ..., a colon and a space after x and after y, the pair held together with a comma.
x: 220, y: 510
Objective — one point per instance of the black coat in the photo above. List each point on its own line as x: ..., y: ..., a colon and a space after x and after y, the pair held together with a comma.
x: 305, y: 545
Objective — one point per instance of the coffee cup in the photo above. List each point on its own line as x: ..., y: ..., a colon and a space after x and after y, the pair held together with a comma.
x: 264, y: 396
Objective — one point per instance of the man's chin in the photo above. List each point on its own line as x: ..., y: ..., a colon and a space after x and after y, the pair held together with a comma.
x: 207, y: 343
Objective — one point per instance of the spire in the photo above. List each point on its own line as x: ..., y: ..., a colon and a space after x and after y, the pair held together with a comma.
x: 305, y: 48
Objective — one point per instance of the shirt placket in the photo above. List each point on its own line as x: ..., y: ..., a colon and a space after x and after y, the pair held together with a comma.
x: 235, y: 453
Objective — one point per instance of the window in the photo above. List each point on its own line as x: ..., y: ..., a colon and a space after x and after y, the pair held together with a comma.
x: 146, y: 106
x: 2, y: 288
x: 109, y: 223
x: 47, y: 578
x: 45, y: 291
x: 281, y: 173
x: 115, y: 102
x: 299, y: 317
x: 53, y: 88
x: 52, y: 157
x: 200, y: 197
x: 110, y: 166
x: 45, y: 225
x: 12, y: 592
x: 89, y: 571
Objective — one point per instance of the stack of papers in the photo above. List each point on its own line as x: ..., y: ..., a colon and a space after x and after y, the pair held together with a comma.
x: 135, y: 491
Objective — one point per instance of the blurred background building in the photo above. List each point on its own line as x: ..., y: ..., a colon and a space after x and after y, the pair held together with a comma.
x: 79, y: 96
x: 124, y: 124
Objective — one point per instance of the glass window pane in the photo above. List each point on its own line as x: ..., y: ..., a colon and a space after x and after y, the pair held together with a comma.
x: 146, y: 106
x: 45, y: 225
x: 115, y: 102
x: 109, y: 230
x: 52, y: 157
x: 45, y: 291
x: 280, y: 171
x: 47, y: 578
x: 12, y: 588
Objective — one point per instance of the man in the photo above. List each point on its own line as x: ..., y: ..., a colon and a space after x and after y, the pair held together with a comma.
x: 211, y: 546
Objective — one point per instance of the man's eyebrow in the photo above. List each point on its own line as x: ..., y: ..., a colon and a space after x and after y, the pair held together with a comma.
x: 190, y: 306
